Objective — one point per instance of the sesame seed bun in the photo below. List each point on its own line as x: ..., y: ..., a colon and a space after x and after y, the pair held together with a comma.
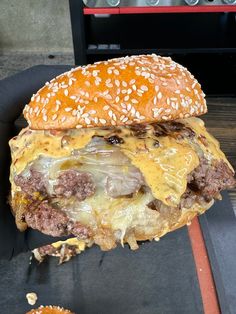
x: 49, y: 310
x: 136, y: 89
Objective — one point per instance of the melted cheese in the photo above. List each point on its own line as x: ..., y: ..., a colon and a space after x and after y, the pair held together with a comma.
x: 79, y: 244
x: 212, y: 150
x: 165, y: 168
x: 29, y: 146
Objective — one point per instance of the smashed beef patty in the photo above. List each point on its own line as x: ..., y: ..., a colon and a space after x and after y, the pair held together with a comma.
x: 108, y: 172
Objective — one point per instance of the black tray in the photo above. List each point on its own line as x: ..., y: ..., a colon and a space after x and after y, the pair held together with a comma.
x: 158, y: 278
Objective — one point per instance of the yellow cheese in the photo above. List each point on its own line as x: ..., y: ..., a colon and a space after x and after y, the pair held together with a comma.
x: 212, y: 150
x: 165, y: 168
x: 72, y: 241
x: 27, y: 147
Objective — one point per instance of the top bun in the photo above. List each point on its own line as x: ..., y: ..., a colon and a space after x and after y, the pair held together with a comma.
x: 121, y: 91
x: 50, y: 310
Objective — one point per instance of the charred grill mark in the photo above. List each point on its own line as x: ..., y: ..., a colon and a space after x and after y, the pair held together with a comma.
x: 156, y: 144
x: 158, y: 130
x: 176, y: 129
x: 139, y: 130
x: 114, y: 140
x: 203, y: 140
x: 154, y: 205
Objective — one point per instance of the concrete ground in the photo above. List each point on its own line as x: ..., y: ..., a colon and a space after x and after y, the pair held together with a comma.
x: 11, y: 63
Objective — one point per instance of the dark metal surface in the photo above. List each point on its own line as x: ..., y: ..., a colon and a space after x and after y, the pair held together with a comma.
x: 158, y: 278
x: 219, y: 230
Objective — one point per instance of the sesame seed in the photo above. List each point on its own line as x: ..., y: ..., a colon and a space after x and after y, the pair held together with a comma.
x: 122, y: 117
x: 68, y: 109
x: 125, y: 119
x: 159, y: 95
x: 194, y: 84
x: 103, y: 121
x: 124, y: 91
x: 92, y: 111
x: 73, y: 97
x: 117, y: 83
x: 85, y: 115
x: 117, y: 99
x: 155, y: 100
x: 126, y: 98
x: 140, y: 91
x: 87, y: 83
x: 134, y: 87
x: 108, y: 97
x: 110, y: 113
x: 137, y: 114
x: 164, y: 117
x: 123, y: 105
x: 129, y: 91
x: 45, y: 118
x: 36, y: 109
x: 106, y: 107
x: 58, y: 102
x: 70, y: 82
x: 156, y: 88
x: 134, y: 101
x: 144, y: 88
x: 96, y: 120
x: 133, y: 111
x: 124, y: 111
x: 124, y: 84
x: 66, y: 92
x: 129, y: 107
x: 95, y: 99
x: 95, y: 72
x: 54, y: 117
x: 87, y: 121
x: 131, y: 82
x: 116, y: 72
x: 79, y: 126
x: 38, y: 99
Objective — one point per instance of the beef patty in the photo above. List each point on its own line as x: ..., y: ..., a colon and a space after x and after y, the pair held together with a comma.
x: 204, y: 184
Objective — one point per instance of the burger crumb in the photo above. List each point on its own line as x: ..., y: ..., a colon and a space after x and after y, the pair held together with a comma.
x: 31, y: 298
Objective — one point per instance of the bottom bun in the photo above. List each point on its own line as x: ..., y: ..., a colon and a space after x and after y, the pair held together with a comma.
x: 50, y: 310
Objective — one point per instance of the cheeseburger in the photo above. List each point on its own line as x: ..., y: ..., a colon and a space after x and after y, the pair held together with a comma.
x: 114, y: 154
